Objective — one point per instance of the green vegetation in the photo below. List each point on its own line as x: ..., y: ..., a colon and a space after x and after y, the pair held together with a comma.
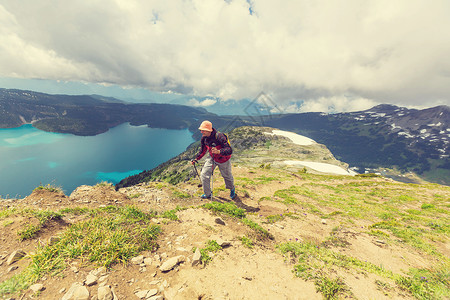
x: 236, y: 212
x: 112, y: 235
x: 172, y: 214
x: 211, y: 246
x: 247, y: 242
x: 42, y: 216
x: 49, y: 187
x: 104, y: 183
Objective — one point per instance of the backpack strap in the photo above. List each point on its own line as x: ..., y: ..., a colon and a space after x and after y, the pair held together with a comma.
x: 226, y: 138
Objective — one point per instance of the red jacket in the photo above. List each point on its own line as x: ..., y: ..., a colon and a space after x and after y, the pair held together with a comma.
x: 218, y: 140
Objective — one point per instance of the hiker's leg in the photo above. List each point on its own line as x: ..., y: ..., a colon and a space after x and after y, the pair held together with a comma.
x: 206, y: 176
x: 225, y: 170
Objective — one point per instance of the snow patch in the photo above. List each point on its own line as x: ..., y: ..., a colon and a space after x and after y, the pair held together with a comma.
x: 321, y: 167
x: 405, y: 134
x: 295, y: 138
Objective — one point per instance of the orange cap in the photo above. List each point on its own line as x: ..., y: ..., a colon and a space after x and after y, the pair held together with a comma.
x: 206, y: 125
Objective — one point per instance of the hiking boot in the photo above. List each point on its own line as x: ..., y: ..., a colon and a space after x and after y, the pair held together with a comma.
x: 232, y: 193
x: 205, y: 197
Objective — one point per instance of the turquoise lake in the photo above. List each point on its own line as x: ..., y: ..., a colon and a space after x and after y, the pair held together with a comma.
x: 30, y: 157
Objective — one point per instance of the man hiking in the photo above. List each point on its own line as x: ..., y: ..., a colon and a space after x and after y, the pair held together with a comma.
x: 219, y: 155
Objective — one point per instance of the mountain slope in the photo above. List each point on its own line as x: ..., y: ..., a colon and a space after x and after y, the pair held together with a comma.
x: 289, y: 234
x: 385, y: 136
x: 89, y: 115
x: 256, y: 146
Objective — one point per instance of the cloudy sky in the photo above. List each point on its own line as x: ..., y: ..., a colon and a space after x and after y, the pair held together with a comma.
x: 332, y: 55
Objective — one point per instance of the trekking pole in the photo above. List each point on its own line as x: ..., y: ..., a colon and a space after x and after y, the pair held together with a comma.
x: 196, y: 171
x: 212, y: 173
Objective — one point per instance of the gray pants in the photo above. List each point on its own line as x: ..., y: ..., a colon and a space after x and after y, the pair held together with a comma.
x: 225, y: 170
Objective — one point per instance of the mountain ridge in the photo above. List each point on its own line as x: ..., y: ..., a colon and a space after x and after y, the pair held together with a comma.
x: 385, y: 136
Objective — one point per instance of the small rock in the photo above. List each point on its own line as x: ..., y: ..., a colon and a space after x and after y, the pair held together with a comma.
x: 138, y: 260
x: 91, y: 280
x: 105, y: 293
x: 380, y: 242
x: 159, y: 297
x: 98, y: 272
x: 219, y: 221
x: 62, y: 290
x: 223, y: 243
x: 323, y: 221
x: 37, y: 287
x: 279, y: 226
x: 74, y: 269
x: 15, y: 256
x: 103, y: 278
x: 171, y: 263
x: 148, y: 261
x: 141, y: 294
x: 196, y: 258
x: 76, y: 292
x: 10, y: 269
x: 152, y: 292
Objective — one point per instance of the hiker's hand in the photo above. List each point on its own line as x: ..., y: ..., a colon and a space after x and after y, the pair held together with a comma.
x: 215, y: 150
x: 194, y: 161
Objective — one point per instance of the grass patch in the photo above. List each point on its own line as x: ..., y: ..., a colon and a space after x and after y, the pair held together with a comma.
x: 111, y: 236
x: 31, y: 230
x: 28, y: 232
x: 49, y: 188
x: 104, y: 183
x: 331, y: 288
x: 239, y: 213
x: 247, y: 242
x: 315, y: 262
x: 211, y: 246
x: 226, y: 208
x: 134, y: 196
x: 274, y: 218
x: 172, y: 214
x: 4, y: 213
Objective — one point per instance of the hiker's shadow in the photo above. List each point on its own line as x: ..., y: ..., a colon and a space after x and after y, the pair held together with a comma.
x: 237, y: 200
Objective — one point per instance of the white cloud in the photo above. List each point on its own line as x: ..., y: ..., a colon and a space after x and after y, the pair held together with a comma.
x: 336, y: 104
x: 204, y: 103
x: 381, y: 51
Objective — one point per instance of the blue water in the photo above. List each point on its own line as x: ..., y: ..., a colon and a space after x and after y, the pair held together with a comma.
x: 30, y: 157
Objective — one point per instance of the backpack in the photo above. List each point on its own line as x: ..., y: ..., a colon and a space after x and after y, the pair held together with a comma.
x: 226, y: 136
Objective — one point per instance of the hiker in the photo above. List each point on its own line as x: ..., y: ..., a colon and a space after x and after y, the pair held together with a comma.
x: 219, y: 155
